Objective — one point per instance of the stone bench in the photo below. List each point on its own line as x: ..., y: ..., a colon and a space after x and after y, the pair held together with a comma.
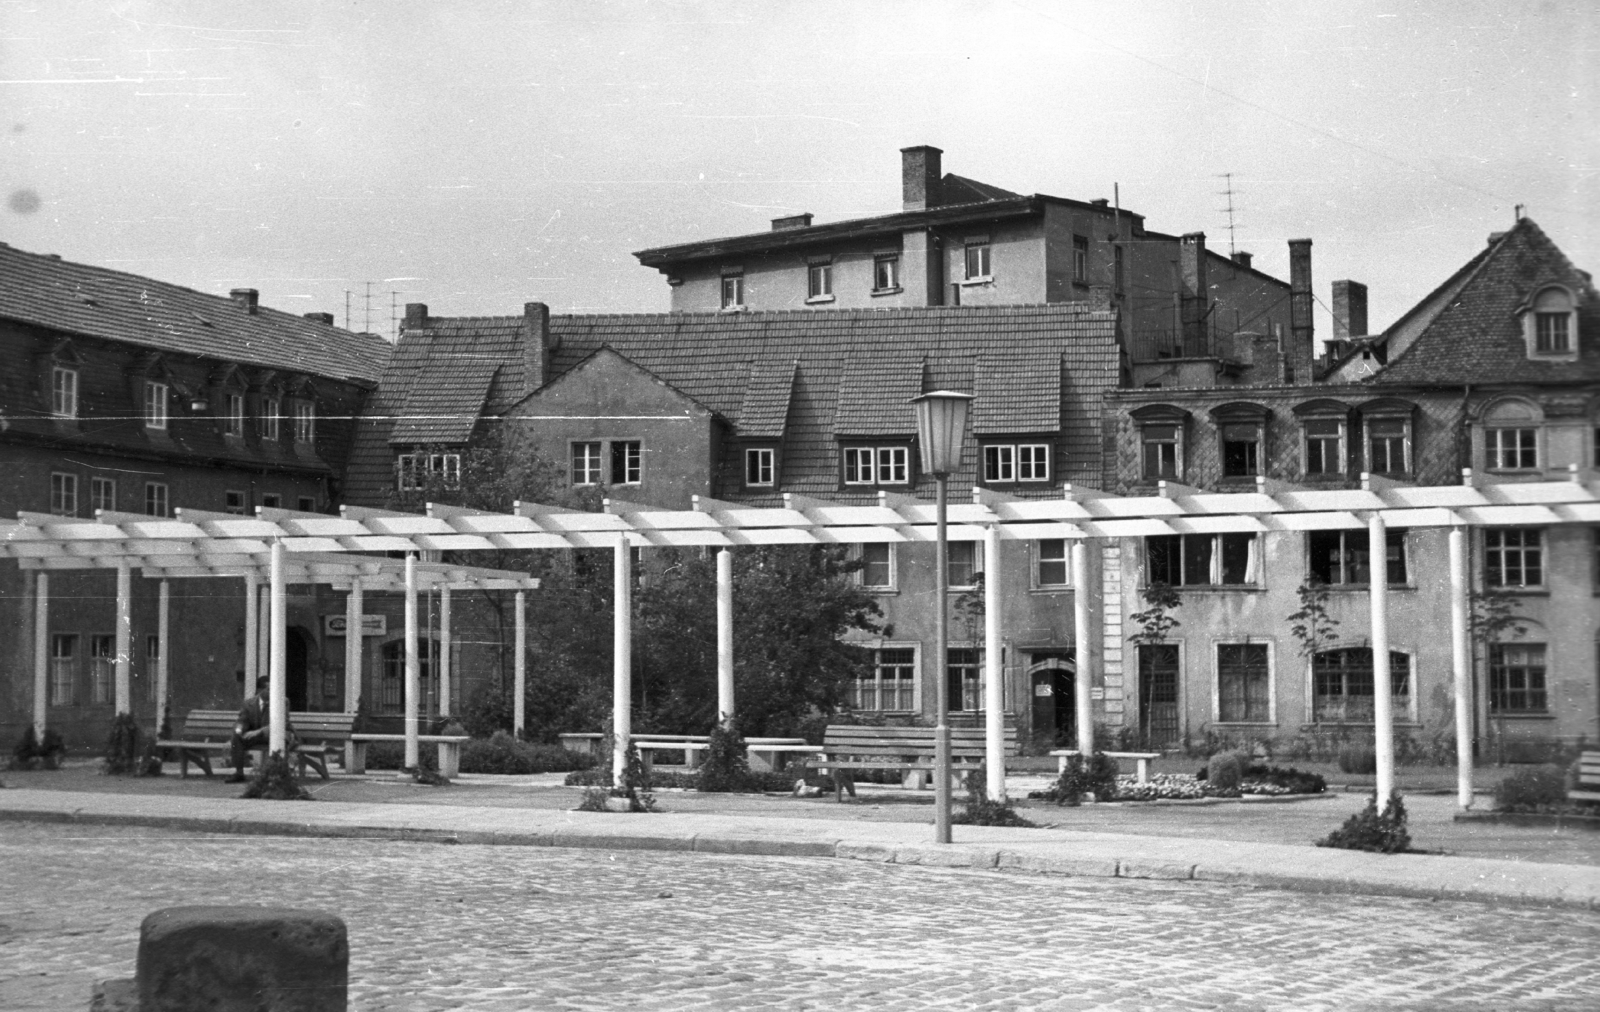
x: 1142, y: 758
x: 355, y: 755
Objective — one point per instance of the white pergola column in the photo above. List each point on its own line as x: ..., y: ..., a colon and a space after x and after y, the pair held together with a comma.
x: 519, y: 667
x: 124, y: 684
x: 622, y: 655
x: 444, y: 651
x: 724, y: 634
x: 353, y: 606
x: 163, y: 640
x: 277, y: 614
x: 252, y: 633
x: 1382, y: 689
x: 413, y: 662
x: 264, y: 637
x: 1080, y: 637
x: 41, y: 653
x: 1461, y: 664
x: 994, y: 697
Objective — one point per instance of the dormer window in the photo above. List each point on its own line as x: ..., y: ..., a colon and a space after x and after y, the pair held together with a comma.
x: 233, y: 414
x: 1388, y: 425
x: 270, y: 410
x: 155, y: 404
x: 305, y: 422
x: 1325, y: 431
x: 1550, y: 324
x: 63, y: 392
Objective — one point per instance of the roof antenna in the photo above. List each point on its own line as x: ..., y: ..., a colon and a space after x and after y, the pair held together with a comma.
x: 1228, y: 191
x: 1516, y: 212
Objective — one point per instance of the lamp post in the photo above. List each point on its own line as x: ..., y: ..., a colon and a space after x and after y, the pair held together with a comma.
x: 941, y: 426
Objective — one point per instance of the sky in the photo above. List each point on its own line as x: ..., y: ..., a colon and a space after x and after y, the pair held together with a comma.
x: 477, y: 156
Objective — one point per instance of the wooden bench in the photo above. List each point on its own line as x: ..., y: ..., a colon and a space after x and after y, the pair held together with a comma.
x: 847, y: 747
x: 355, y: 750
x: 1142, y: 758
x: 1588, y: 788
x: 318, y: 735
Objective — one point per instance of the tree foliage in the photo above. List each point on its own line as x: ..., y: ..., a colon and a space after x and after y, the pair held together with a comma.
x: 1156, y: 621
x: 1312, y: 625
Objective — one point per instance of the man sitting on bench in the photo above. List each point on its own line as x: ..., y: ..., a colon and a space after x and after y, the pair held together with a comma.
x: 253, y: 727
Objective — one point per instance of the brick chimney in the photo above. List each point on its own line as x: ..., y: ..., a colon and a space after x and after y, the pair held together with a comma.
x: 326, y: 318
x: 1196, y: 293
x: 920, y: 177
x: 792, y: 221
x: 416, y: 316
x: 537, y: 344
x: 1301, y: 351
x: 1349, y: 310
x: 246, y: 297
x: 1242, y: 258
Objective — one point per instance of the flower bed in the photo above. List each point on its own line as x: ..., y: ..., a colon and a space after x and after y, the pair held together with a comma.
x: 1184, y: 787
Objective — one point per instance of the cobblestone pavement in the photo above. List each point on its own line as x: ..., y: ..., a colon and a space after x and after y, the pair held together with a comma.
x: 513, y: 928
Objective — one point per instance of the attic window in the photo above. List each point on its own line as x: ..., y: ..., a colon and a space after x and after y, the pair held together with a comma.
x: 1550, y: 325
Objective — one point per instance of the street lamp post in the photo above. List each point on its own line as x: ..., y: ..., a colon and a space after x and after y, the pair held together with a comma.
x: 941, y: 427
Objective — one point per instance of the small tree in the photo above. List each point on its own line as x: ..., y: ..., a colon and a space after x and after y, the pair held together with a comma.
x: 1312, y: 625
x: 1156, y: 622
x: 1492, y: 618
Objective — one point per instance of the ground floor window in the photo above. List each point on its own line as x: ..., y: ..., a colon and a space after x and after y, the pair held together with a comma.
x: 63, y: 667
x: 1516, y: 678
x: 1158, y: 694
x: 391, y: 694
x: 892, y: 684
x: 964, y: 669
x: 1243, y: 680
x: 102, y: 668
x: 1342, y: 685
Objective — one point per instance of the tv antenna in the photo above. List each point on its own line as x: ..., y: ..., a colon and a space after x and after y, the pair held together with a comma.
x: 1228, y: 191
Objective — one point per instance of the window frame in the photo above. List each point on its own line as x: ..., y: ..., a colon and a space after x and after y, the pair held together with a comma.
x: 272, y: 500
x: 1216, y: 555
x: 1241, y: 415
x: 890, y: 564
x: 98, y: 495
x: 63, y: 391
x: 586, y: 471
x: 239, y: 508
x: 913, y: 665
x: 976, y: 564
x: 303, y: 416
x: 1353, y: 541
x: 1268, y: 715
x: 977, y: 253
x: 869, y: 465
x: 1537, y: 698
x: 819, y: 281
x: 1547, y: 305
x: 1080, y: 259
x: 760, y: 467
x: 625, y: 459
x: 885, y: 268
x: 1495, y: 549
x: 732, y: 293
x: 270, y: 423
x: 1037, y: 551
x: 306, y: 503
x: 966, y: 678
x: 1147, y: 422
x: 63, y: 669
x: 157, y: 394
x: 1524, y: 454
x: 233, y: 406
x: 1403, y: 705
x: 421, y: 464
x: 63, y: 493
x: 1025, y: 460
x: 102, y: 669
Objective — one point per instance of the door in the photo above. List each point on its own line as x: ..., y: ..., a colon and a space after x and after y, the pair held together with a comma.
x: 296, y: 655
x: 1158, y: 695
x: 1054, y: 709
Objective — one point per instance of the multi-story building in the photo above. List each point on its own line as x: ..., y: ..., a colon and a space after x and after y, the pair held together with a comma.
x: 1496, y: 375
x: 127, y: 394
x: 959, y: 242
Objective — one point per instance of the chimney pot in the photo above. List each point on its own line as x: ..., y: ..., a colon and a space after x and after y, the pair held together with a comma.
x: 792, y: 221
x: 416, y: 316
x: 1101, y: 202
x: 1242, y: 258
x: 246, y: 297
x: 920, y: 177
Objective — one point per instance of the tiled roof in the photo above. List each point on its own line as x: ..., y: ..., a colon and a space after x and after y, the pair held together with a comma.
x: 1017, y: 392
x: 73, y: 298
x: 765, y: 410
x: 721, y: 360
x: 875, y: 392
x: 445, y: 408
x: 956, y: 189
x: 1476, y: 337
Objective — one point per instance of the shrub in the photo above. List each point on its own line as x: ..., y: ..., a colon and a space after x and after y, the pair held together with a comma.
x: 504, y: 754
x: 274, y: 780
x: 981, y: 810
x: 1369, y: 830
x: 31, y: 753
x: 727, y: 763
x: 1225, y: 771
x: 1527, y: 790
x: 1358, y: 758
x: 1291, y: 780
x: 594, y: 800
x: 391, y: 755
x: 1098, y: 776
x: 122, y: 745
x: 635, y: 784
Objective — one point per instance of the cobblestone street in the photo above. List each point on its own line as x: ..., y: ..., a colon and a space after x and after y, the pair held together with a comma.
x: 504, y: 928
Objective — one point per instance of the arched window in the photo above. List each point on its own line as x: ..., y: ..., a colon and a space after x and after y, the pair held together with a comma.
x: 1342, y: 685
x: 1242, y: 430
x: 1550, y: 324
x: 1511, y: 436
x: 1161, y: 441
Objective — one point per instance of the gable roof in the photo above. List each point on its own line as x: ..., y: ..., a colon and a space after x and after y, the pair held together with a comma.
x: 1469, y: 329
x: 765, y: 409
x: 80, y: 299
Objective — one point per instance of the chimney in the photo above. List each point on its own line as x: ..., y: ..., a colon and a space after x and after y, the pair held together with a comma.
x: 1242, y: 259
x: 792, y: 221
x: 1349, y: 310
x: 416, y: 316
x: 326, y: 318
x: 1299, y: 355
x: 1196, y: 293
x: 920, y: 177
x: 245, y: 297
x: 537, y: 344
x: 1101, y: 202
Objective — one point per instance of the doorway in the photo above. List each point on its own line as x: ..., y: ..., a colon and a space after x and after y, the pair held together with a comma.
x: 1052, y: 678
x: 1158, y: 696
x: 296, y: 659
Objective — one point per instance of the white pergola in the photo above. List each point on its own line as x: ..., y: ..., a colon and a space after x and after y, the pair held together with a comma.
x: 1081, y: 515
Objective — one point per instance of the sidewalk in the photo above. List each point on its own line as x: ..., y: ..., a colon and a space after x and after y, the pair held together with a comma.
x: 885, y: 826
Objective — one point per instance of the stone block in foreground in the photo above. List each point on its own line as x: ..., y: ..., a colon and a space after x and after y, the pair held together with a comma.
x: 249, y: 959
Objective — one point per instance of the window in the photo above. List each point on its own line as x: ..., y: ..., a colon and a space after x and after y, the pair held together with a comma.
x: 155, y: 405
x: 1512, y: 449
x: 1159, y: 725
x: 103, y: 493
x: 233, y: 502
x: 877, y: 566
x: 586, y: 463
x: 977, y: 261
x: 627, y: 462
x: 1241, y: 450
x: 1387, y: 439
x: 1016, y: 462
x: 1116, y: 260
x: 964, y: 672
x: 63, y: 665
x: 877, y: 465
x: 1202, y: 560
x: 1160, y: 451
x: 155, y: 499
x: 392, y: 672
x: 1342, y: 685
x: 892, y: 684
x: 305, y: 422
x: 63, y: 392
x: 758, y: 469
x: 272, y: 500
x: 1516, y: 678
x: 1550, y: 333
x: 1513, y: 557
x: 269, y: 419
x: 1080, y: 258
x: 963, y: 568
x: 63, y: 494
x: 233, y: 414
x: 1550, y: 324
x: 102, y: 668
x: 733, y: 291
x: 885, y: 274
x: 306, y: 504
x: 1243, y: 683
x: 820, y: 281
x: 1341, y: 558
x: 1324, y: 445
x: 1050, y: 563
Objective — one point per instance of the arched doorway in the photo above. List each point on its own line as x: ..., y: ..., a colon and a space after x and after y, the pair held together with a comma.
x: 296, y: 659
x: 1052, y: 679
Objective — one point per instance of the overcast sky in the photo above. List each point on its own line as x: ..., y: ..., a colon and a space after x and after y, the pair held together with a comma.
x: 476, y: 156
